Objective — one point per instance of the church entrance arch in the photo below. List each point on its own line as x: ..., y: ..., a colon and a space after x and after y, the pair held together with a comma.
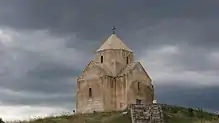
x: 138, y: 101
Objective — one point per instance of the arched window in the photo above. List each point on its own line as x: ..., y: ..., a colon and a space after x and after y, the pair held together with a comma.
x: 101, y: 60
x: 127, y: 60
x: 90, y: 92
x: 138, y: 85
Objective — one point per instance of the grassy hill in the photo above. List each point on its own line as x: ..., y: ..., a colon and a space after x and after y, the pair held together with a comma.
x: 172, y: 114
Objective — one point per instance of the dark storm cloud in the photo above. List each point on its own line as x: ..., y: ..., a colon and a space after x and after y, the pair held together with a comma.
x: 49, y: 84
x: 140, y: 23
x: 41, y: 99
x: 52, y: 70
x: 189, y: 96
x: 46, y: 78
x: 96, y: 16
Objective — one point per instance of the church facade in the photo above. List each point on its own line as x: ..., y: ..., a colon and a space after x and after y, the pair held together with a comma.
x: 113, y: 80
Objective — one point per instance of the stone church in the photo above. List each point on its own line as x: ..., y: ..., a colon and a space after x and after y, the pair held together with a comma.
x: 113, y: 80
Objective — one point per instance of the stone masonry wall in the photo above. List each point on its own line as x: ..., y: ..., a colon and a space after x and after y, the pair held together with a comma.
x: 147, y: 113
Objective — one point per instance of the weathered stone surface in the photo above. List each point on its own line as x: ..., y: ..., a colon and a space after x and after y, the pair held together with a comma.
x: 147, y: 113
x: 115, y: 80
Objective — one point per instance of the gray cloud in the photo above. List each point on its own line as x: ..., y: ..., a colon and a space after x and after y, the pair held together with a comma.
x: 44, y: 46
x: 141, y: 23
x: 13, y: 98
x: 32, y: 66
x: 197, y: 97
x: 82, y: 16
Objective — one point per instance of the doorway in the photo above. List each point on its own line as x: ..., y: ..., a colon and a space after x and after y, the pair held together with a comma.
x: 138, y: 101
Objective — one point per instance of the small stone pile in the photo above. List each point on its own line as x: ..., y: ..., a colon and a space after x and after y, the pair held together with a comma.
x: 147, y: 113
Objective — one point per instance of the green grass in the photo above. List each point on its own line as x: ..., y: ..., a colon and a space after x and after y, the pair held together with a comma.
x: 175, y: 114
x: 172, y: 114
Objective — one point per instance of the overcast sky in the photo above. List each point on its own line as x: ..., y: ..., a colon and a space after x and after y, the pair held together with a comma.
x: 45, y: 44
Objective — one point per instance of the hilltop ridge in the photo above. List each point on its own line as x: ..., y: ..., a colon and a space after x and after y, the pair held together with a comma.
x: 172, y: 114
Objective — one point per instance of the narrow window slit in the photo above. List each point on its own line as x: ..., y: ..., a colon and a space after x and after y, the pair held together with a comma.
x: 101, y: 59
x: 90, y: 92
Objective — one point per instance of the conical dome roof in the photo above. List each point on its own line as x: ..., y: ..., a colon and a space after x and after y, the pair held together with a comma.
x: 113, y: 42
